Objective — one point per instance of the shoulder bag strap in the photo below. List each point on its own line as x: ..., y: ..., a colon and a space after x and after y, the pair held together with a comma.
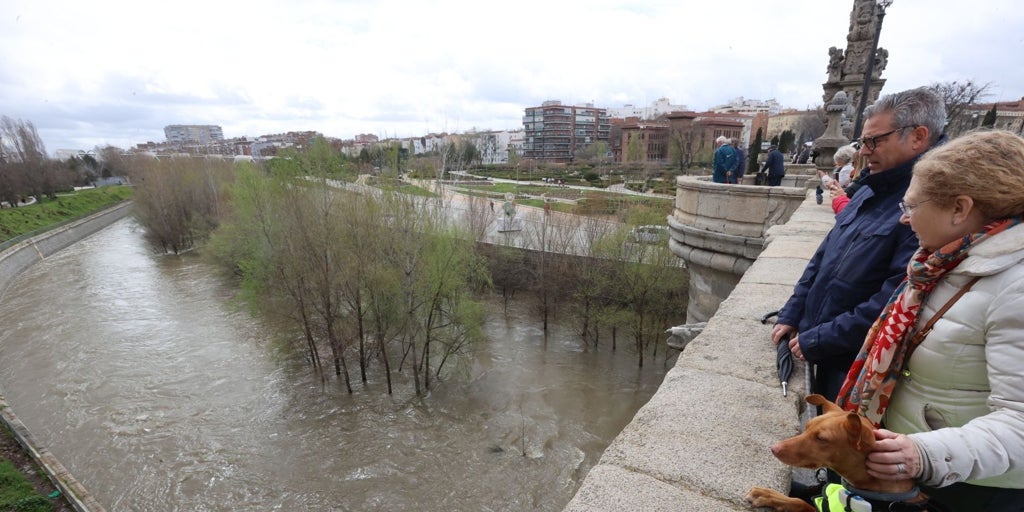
x: 920, y: 335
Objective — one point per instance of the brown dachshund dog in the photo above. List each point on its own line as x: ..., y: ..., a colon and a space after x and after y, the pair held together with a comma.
x: 840, y: 440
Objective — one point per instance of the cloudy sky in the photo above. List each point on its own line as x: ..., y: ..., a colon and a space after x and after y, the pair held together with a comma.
x: 100, y: 72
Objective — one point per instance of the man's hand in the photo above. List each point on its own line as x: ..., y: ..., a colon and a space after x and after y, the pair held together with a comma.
x: 781, y: 330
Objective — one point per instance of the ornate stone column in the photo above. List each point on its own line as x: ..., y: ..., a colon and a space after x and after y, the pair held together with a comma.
x: 846, y: 70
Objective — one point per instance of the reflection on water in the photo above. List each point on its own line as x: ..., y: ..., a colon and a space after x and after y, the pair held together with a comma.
x: 138, y: 374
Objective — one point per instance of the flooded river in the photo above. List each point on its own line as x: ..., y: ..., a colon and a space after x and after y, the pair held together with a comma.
x: 138, y: 372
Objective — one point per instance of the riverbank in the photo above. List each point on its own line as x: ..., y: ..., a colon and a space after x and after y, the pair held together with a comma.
x: 46, y: 493
x: 16, y: 256
x: 39, y: 217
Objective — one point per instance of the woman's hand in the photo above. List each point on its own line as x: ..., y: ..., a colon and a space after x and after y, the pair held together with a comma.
x: 894, y: 457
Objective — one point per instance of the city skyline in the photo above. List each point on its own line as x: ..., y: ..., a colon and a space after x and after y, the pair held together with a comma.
x: 109, y: 73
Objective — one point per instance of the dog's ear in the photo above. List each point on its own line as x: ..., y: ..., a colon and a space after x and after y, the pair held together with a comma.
x: 826, y: 405
x: 861, y: 437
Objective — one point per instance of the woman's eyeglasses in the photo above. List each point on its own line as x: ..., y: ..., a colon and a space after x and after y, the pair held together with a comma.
x: 908, y: 209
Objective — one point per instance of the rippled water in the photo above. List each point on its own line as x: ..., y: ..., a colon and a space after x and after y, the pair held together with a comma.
x: 138, y: 374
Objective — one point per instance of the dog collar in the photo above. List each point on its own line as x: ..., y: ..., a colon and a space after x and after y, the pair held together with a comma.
x: 885, y: 497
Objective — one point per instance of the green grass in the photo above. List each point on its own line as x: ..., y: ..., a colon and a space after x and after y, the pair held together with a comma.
x: 26, y: 219
x: 17, y: 494
x: 412, y: 190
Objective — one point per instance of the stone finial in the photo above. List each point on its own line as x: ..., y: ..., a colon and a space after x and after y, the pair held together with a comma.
x: 840, y: 102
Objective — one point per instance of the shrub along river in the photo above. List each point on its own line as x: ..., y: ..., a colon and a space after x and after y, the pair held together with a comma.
x: 138, y: 372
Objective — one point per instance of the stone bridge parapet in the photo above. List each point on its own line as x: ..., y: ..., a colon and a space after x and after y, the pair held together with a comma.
x: 719, y: 230
x: 702, y: 440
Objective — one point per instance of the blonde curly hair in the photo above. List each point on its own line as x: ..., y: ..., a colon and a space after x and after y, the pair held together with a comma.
x: 985, y: 165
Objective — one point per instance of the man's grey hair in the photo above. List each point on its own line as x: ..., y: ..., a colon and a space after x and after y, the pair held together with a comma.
x: 845, y: 153
x: 722, y: 139
x: 920, y: 107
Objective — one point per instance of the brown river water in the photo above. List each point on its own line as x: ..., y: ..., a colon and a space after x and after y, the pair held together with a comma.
x: 159, y: 394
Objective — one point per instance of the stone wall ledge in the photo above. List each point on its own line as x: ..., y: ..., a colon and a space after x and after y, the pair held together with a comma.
x: 702, y: 440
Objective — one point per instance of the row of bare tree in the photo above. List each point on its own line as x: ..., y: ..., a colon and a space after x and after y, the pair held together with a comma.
x: 388, y: 282
x: 364, y: 277
x: 594, y: 272
x: 25, y: 168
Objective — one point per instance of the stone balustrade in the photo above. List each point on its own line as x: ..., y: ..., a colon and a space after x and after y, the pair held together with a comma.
x: 719, y: 230
x: 702, y: 440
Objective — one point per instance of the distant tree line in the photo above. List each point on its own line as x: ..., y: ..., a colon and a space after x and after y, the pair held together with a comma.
x: 25, y: 168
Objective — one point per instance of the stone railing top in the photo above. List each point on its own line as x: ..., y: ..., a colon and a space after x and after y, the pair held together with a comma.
x: 740, y: 210
x: 702, y: 440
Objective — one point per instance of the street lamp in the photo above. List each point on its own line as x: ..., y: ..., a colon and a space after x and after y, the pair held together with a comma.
x: 881, y: 5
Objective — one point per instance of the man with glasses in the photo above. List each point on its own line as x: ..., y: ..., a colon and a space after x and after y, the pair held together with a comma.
x: 864, y: 257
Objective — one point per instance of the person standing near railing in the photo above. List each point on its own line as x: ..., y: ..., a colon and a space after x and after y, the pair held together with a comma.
x: 864, y: 257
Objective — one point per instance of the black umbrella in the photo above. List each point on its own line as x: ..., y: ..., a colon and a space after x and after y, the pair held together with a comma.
x: 784, y: 363
x: 783, y: 357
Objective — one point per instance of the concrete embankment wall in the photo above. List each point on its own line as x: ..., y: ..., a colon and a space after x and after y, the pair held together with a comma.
x: 13, y: 261
x: 702, y: 440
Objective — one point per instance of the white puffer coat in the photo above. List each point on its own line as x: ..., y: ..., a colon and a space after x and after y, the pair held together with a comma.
x: 963, y: 399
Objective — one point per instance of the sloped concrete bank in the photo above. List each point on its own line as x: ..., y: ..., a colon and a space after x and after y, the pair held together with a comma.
x: 702, y: 440
x: 13, y: 261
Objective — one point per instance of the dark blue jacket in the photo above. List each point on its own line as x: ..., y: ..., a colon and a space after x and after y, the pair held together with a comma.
x: 725, y: 161
x: 741, y: 164
x: 851, y: 277
x: 775, y: 164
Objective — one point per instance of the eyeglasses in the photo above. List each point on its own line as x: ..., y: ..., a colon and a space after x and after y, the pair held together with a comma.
x: 908, y: 209
x: 872, y: 142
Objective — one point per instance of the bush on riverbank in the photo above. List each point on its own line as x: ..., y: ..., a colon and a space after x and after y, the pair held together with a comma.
x: 26, y: 219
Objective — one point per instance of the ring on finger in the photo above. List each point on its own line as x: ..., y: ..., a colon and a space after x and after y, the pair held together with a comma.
x: 901, y: 468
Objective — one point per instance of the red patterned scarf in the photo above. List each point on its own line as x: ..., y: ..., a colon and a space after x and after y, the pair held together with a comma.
x: 871, y: 379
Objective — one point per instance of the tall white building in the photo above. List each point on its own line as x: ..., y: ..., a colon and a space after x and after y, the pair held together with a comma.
x: 749, y: 107
x: 652, y: 111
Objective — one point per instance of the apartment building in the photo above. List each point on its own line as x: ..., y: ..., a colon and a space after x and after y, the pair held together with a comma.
x: 553, y: 132
x: 653, y: 111
x: 193, y: 133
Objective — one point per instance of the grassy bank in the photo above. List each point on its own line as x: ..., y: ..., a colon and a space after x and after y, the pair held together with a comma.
x: 26, y: 219
x: 19, y: 492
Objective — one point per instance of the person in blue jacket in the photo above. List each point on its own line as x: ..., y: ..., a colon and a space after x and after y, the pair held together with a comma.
x: 864, y: 257
x: 775, y: 166
x: 725, y: 161
x: 741, y: 162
